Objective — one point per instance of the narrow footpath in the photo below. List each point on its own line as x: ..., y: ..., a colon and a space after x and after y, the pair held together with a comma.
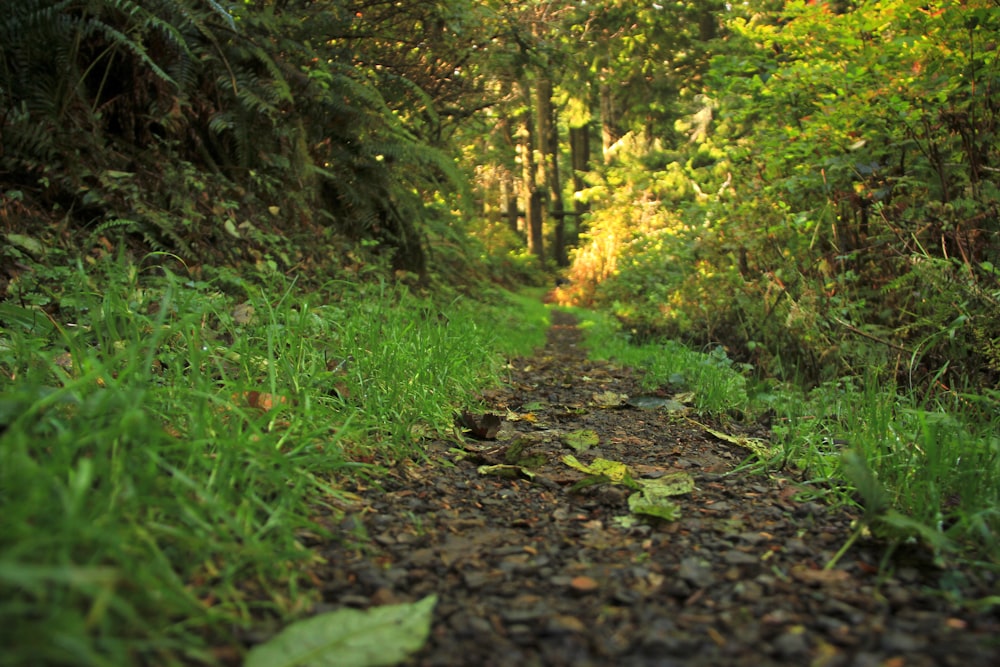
x: 529, y: 572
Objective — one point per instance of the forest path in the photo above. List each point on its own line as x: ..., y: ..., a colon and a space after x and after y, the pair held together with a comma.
x: 528, y: 573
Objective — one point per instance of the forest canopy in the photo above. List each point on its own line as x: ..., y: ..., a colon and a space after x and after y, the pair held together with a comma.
x: 811, y: 184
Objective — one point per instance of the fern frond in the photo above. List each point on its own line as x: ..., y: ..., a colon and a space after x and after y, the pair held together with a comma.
x: 120, y: 39
x: 121, y: 224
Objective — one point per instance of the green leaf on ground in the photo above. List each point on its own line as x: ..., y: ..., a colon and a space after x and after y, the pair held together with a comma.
x: 609, y: 399
x: 506, y: 471
x: 639, y: 503
x: 613, y: 470
x: 349, y: 638
x: 27, y: 243
x: 651, y: 500
x: 581, y: 440
x: 656, y: 402
x: 674, y: 484
x: 759, y: 447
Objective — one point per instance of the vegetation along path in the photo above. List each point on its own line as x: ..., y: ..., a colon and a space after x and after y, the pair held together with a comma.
x: 534, y: 561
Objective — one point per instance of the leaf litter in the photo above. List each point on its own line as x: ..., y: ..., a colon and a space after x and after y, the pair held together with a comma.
x: 648, y: 548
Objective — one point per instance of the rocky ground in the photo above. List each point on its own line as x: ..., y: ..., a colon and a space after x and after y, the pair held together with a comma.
x: 529, y: 572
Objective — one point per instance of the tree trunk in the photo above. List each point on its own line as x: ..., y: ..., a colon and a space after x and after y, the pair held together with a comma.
x: 529, y: 190
x: 508, y: 200
x: 610, y: 133
x: 579, y: 148
x: 548, y: 136
x: 534, y: 214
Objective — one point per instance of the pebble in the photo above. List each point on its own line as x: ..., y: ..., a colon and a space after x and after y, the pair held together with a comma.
x: 740, y: 558
x: 897, y: 596
x: 477, y: 579
x: 562, y: 624
x: 749, y: 591
x: 792, y: 643
x: 696, y: 571
x: 900, y: 642
x: 751, y: 538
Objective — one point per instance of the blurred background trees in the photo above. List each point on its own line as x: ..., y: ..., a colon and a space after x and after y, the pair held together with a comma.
x: 812, y: 185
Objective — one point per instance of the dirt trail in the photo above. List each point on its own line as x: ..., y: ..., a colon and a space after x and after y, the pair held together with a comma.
x: 529, y: 573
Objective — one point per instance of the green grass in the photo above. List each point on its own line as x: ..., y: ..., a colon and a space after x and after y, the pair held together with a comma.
x: 917, y: 468
x: 169, y: 444
x: 717, y: 384
x: 936, y: 463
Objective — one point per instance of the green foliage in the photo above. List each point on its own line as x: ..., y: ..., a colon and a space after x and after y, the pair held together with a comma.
x: 383, y: 635
x: 919, y: 470
x: 828, y: 211
x: 166, y: 441
x: 214, y: 134
x: 718, y: 386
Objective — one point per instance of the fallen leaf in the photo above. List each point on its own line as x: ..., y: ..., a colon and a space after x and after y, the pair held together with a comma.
x: 609, y: 399
x: 756, y: 445
x: 613, y: 470
x: 480, y: 426
x: 383, y: 635
x: 674, y: 484
x: 243, y: 313
x: 652, y: 496
x: 260, y: 400
x: 581, y: 440
x: 506, y: 471
x: 686, y: 397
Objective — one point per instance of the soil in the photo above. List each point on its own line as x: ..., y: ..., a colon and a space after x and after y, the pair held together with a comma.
x: 530, y: 572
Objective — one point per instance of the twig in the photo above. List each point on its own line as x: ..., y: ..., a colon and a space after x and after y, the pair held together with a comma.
x: 855, y: 330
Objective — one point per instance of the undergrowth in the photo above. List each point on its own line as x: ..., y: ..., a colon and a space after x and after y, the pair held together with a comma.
x: 918, y: 468
x: 170, y: 444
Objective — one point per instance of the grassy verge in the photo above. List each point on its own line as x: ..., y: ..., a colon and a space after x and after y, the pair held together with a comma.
x: 920, y: 469
x: 715, y: 383
x: 167, y: 444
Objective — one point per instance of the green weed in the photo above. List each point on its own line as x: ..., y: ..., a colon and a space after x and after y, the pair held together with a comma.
x: 169, y: 443
x: 717, y: 384
x: 920, y: 470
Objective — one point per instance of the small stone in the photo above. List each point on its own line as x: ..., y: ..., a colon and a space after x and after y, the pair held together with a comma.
x: 894, y: 641
x: 386, y: 539
x: 898, y: 597
x: 792, y: 643
x: 397, y: 575
x: 735, y: 557
x: 696, y: 572
x: 678, y: 588
x: 562, y: 624
x: 749, y: 591
x: 421, y: 558
x: 867, y: 660
x: 477, y: 579
x: 584, y: 584
x: 383, y: 596
x: 797, y: 546
x: 521, y: 633
x: 472, y: 626
x: 751, y: 538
